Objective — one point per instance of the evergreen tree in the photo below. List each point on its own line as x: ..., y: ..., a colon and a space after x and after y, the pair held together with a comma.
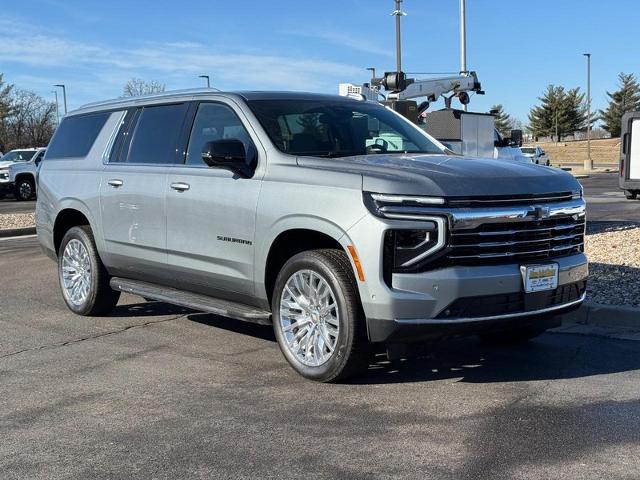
x: 625, y: 99
x: 503, y: 121
x: 576, y: 111
x: 560, y: 111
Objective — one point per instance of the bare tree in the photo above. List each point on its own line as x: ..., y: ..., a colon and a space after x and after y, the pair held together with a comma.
x: 137, y: 87
x: 31, y: 121
x: 5, y: 110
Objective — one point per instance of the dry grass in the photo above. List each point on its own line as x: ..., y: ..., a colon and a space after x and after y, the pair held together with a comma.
x: 603, y: 151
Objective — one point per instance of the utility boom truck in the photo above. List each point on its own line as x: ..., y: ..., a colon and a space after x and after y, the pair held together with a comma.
x: 465, y: 133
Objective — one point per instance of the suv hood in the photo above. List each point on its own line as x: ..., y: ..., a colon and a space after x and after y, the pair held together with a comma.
x: 6, y: 164
x: 448, y: 176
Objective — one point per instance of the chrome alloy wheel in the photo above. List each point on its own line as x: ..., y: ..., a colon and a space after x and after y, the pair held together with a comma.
x: 309, y: 318
x: 25, y: 190
x: 75, y: 274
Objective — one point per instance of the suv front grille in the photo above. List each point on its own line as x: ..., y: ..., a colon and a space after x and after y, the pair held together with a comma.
x: 531, y: 240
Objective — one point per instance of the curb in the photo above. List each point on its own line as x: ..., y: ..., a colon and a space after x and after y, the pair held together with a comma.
x: 604, y: 316
x: 17, y: 232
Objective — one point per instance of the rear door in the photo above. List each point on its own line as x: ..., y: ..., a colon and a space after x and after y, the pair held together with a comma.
x: 630, y: 155
x: 210, y: 211
x: 133, y: 191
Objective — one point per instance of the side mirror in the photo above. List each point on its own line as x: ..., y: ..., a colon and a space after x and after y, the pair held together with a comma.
x: 516, y: 137
x: 228, y: 153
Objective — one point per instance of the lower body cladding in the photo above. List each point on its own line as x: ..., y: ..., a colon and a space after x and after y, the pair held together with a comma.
x: 466, y: 300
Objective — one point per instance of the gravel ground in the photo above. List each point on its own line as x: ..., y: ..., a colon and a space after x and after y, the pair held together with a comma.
x: 17, y: 220
x: 614, y: 263
x: 613, y: 250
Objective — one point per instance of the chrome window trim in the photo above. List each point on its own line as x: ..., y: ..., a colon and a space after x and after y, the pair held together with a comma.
x: 453, y: 321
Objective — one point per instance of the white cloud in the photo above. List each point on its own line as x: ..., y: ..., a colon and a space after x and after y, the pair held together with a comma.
x: 95, y: 71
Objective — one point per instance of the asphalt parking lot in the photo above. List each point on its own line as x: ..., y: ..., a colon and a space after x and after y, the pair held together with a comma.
x: 156, y: 391
x: 605, y: 200
x: 10, y: 205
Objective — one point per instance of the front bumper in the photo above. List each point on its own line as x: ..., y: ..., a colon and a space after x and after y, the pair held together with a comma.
x: 6, y: 187
x: 453, y: 300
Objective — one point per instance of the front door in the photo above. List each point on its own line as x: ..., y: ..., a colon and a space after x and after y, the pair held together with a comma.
x: 132, y: 191
x: 211, y: 211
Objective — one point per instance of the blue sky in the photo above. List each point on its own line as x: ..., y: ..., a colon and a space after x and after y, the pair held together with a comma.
x: 517, y: 47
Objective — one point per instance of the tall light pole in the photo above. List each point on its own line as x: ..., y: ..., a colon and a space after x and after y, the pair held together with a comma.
x: 463, y: 40
x: 55, y: 92
x: 64, y: 95
x: 398, y: 13
x: 208, y: 80
x: 588, y: 163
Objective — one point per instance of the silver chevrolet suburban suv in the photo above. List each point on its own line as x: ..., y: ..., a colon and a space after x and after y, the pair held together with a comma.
x: 336, y: 220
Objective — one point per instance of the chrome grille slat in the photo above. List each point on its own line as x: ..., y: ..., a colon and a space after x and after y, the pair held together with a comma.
x: 515, y: 254
x: 518, y: 242
x: 514, y: 232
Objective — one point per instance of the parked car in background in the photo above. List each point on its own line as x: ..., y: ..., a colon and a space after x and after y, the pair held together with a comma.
x: 537, y: 155
x: 20, y: 155
x: 296, y: 210
x: 23, y: 176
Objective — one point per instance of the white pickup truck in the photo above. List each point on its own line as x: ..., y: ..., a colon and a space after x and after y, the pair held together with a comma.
x: 537, y: 155
x: 18, y: 172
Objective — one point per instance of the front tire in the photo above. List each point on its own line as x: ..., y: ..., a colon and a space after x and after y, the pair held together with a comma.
x: 84, y: 280
x: 317, y: 317
x: 24, y: 190
x: 631, y: 195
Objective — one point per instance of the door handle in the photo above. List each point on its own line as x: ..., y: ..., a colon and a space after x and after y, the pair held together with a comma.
x: 180, y: 186
x: 115, y: 183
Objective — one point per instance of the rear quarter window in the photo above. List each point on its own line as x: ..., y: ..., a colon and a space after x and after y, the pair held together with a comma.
x: 75, y: 135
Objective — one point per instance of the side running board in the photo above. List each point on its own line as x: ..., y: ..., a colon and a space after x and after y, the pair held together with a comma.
x: 194, y: 301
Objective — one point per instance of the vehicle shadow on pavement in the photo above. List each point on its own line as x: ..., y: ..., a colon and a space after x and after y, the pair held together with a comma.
x: 148, y: 309
x: 263, y: 332
x: 549, y: 357
x: 520, y: 437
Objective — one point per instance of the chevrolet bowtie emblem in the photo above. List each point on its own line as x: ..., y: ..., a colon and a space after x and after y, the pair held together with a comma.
x: 542, y: 213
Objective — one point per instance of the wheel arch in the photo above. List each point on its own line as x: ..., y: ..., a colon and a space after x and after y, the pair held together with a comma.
x: 70, y: 215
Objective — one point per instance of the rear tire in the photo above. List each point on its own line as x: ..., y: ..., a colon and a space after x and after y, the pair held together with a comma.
x: 631, y: 195
x: 24, y: 190
x: 317, y: 316
x: 511, y: 337
x: 84, y: 280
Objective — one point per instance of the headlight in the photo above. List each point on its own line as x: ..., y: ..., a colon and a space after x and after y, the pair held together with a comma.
x: 408, y: 247
x: 4, y: 175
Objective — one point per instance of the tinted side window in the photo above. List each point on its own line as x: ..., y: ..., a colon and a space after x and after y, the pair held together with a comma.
x: 156, y: 134
x: 75, y: 135
x: 215, y: 122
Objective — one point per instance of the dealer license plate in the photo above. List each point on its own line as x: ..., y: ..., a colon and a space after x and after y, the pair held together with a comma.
x: 539, y: 277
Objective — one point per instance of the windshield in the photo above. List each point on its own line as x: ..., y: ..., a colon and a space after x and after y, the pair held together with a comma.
x: 528, y: 150
x: 18, y: 156
x: 337, y: 128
